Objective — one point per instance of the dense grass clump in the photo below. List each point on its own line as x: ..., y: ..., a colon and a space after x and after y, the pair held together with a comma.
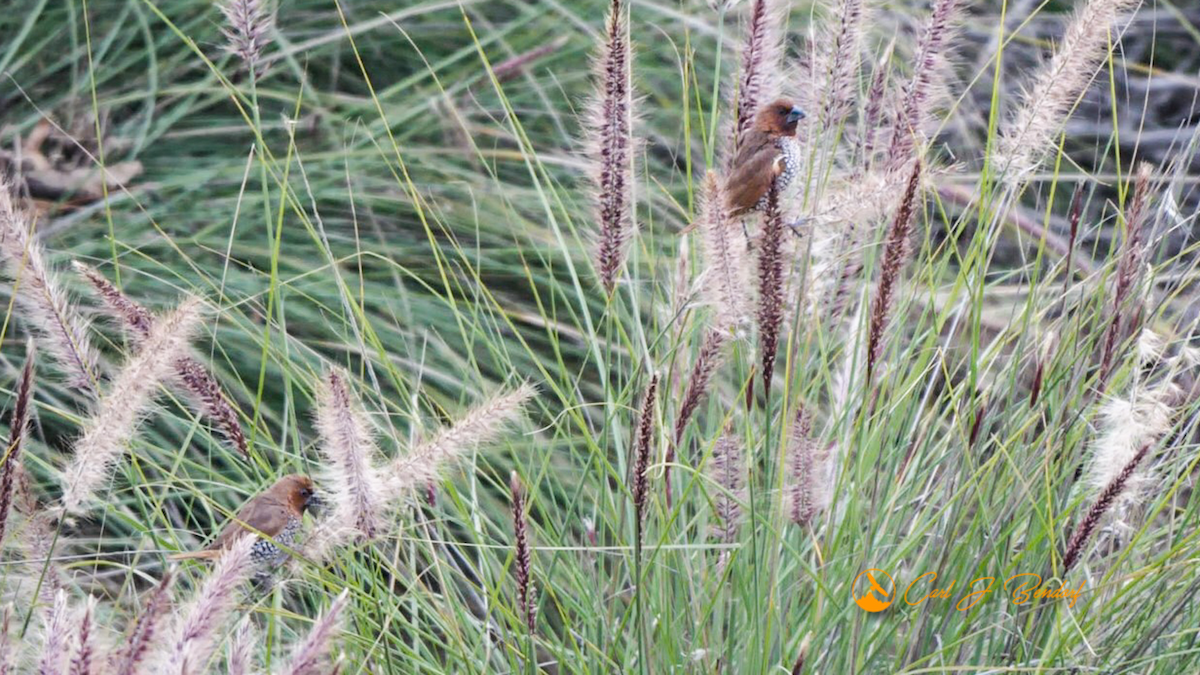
x: 478, y: 270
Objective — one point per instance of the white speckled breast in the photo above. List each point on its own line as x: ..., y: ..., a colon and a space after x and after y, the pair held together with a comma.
x: 266, y: 552
x: 790, y: 156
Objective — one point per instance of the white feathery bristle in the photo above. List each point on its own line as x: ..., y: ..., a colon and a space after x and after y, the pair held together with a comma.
x: 311, y: 656
x: 56, y: 639
x: 355, y: 489
x: 109, y: 431
x: 1047, y: 102
x: 482, y: 424
x: 241, y: 649
x: 44, y: 304
x: 1128, y: 424
x: 726, y: 263
x: 200, y: 622
x: 1149, y: 346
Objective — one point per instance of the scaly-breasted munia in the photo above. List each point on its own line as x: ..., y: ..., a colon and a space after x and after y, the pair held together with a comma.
x: 767, y: 153
x: 274, y: 515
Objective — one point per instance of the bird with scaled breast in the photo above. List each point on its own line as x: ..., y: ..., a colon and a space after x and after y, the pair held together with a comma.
x: 767, y: 153
x: 274, y: 515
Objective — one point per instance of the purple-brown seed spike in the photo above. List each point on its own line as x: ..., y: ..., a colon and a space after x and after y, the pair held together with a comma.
x: 610, y: 140
x: 761, y: 52
x: 842, y: 88
x: 977, y: 423
x: 1035, y: 389
x: 930, y: 56
x: 248, y: 27
x: 1087, y: 526
x: 208, y: 397
x: 803, y: 455
x: 770, y: 286
x: 643, y: 446
x: 204, y: 392
x: 873, y: 112
x: 895, y: 253
x: 526, y: 593
x: 798, y: 665
x: 1074, y: 218
x: 83, y: 662
x: 1124, y: 319
x: 727, y: 471
x: 145, y: 635
x: 520, y: 63
x: 134, y: 317
x: 18, y: 426
x: 748, y: 401
x: 707, y: 362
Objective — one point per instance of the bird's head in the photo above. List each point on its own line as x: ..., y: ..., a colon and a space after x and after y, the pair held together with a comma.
x: 779, y: 118
x: 298, y: 492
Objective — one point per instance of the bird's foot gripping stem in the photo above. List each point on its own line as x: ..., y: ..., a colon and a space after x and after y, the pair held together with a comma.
x: 797, y: 225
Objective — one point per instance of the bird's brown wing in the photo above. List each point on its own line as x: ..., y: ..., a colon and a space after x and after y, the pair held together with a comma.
x: 264, y: 514
x: 755, y: 168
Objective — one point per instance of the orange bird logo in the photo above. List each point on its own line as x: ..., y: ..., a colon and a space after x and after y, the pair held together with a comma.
x: 873, y: 590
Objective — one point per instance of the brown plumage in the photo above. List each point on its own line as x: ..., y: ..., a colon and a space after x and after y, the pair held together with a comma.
x: 766, y: 154
x: 276, y: 513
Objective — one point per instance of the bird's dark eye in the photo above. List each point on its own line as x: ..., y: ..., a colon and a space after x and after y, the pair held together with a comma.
x: 306, y: 493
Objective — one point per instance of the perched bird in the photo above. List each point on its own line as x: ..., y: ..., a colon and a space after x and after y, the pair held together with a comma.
x: 274, y: 515
x: 767, y: 153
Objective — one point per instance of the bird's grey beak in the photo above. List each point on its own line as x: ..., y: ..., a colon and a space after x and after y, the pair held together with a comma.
x: 795, y: 115
x: 314, y: 503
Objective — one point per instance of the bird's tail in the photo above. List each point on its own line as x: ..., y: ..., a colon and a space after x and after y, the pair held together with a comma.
x: 194, y: 555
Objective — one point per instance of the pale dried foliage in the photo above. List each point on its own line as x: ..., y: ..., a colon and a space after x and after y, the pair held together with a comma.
x: 8, y: 648
x: 45, y: 306
x: 1045, y: 105
x: 130, y: 394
